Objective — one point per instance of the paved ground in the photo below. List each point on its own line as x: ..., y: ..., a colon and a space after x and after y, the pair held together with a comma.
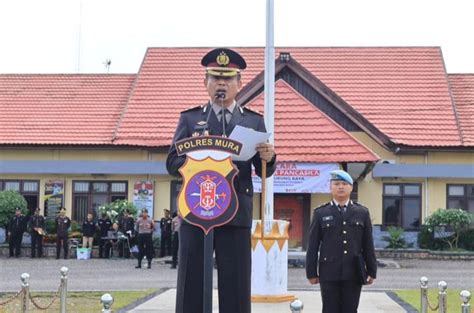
x: 372, y: 302
x: 117, y: 274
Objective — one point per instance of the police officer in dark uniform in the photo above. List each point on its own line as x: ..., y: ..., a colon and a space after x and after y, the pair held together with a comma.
x: 62, y: 227
x: 165, y: 225
x: 341, y: 231
x: 232, y: 243
x: 36, y: 225
x: 105, y: 224
x: 126, y: 227
x: 16, y: 228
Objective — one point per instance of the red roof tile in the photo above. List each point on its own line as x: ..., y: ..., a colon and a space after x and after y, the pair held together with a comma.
x: 305, y: 134
x: 61, y: 109
x: 462, y: 87
x: 401, y: 91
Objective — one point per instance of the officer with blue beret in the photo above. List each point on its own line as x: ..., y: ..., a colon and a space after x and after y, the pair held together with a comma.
x: 340, y: 255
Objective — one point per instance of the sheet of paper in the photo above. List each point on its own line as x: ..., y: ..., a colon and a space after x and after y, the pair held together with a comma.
x: 249, y: 139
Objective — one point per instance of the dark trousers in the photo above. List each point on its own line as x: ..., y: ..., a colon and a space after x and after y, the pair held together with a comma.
x: 62, y: 240
x: 36, y: 244
x: 14, y: 243
x: 340, y: 296
x: 175, y: 248
x: 145, y: 247
x: 165, y: 246
x: 233, y: 255
x: 102, y: 243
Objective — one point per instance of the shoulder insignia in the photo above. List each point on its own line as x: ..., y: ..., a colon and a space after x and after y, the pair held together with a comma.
x: 252, y: 111
x: 361, y: 205
x: 323, y: 205
x: 192, y: 108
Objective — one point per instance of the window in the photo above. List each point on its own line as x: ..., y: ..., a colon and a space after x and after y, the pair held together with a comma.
x: 402, y: 205
x: 88, y: 196
x: 29, y: 189
x: 460, y: 197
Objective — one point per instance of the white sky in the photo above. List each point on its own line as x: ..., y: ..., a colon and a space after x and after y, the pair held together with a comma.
x: 42, y: 36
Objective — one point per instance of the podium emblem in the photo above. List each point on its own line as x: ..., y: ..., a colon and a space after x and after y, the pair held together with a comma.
x: 207, y: 198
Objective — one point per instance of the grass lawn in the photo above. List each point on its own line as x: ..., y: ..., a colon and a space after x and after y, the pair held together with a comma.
x: 77, y: 302
x: 412, y: 296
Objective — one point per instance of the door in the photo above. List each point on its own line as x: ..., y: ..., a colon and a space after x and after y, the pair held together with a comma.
x: 290, y: 207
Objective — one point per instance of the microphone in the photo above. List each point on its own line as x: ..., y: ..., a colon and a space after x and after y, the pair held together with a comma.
x: 220, y: 95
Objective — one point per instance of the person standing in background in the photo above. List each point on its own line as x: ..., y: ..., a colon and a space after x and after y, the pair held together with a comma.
x: 145, y: 227
x: 36, y: 225
x: 126, y: 227
x: 165, y: 225
x: 88, y: 231
x: 62, y: 227
x: 175, y: 224
x: 16, y: 228
x: 105, y: 224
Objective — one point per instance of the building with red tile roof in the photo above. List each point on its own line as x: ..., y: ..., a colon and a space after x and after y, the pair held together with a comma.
x: 391, y: 116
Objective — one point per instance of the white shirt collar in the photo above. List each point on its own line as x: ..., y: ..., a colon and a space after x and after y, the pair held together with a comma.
x: 217, y: 108
x: 344, y: 204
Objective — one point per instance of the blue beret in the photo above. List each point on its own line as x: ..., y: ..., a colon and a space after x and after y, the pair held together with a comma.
x: 341, y: 175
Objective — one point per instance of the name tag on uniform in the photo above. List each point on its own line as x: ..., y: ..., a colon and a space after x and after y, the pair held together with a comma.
x: 327, y: 218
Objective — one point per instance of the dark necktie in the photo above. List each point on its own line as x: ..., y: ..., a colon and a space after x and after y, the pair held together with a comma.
x: 342, y: 208
x: 228, y: 116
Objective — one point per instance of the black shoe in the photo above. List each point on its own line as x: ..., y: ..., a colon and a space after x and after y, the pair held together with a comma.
x: 138, y: 266
x: 149, y: 265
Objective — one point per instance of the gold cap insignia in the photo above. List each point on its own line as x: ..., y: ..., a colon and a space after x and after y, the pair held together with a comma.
x: 223, y: 59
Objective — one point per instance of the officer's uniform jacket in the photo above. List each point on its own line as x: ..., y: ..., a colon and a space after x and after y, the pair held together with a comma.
x: 105, y: 225
x: 36, y: 221
x: 62, y: 225
x: 88, y: 228
x: 17, y: 224
x: 340, y: 238
x: 126, y: 224
x: 190, y: 123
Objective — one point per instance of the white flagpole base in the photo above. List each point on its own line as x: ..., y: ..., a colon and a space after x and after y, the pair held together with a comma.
x: 270, y: 262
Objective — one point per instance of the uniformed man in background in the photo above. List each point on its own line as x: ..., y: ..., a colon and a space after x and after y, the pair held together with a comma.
x: 62, y: 227
x: 144, y: 228
x: 232, y: 244
x: 16, y: 228
x: 340, y: 248
x: 36, y: 225
x: 126, y: 227
x: 165, y: 225
x: 105, y: 224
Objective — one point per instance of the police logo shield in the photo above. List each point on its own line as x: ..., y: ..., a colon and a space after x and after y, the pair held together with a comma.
x: 207, y: 198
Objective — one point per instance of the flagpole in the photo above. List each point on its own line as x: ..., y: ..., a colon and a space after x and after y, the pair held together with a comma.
x: 269, y: 109
x: 270, y: 253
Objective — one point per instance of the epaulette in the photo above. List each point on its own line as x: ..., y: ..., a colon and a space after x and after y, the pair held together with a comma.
x: 253, y: 111
x: 361, y: 205
x: 322, y: 205
x: 192, y: 108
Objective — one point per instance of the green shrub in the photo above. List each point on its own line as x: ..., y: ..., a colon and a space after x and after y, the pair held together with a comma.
x: 9, y: 200
x: 115, y: 209
x: 395, y: 238
x: 426, y: 239
x: 466, y: 239
x: 455, y: 220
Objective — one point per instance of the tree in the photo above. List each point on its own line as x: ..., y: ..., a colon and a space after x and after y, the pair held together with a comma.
x: 453, y: 221
x: 9, y: 200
